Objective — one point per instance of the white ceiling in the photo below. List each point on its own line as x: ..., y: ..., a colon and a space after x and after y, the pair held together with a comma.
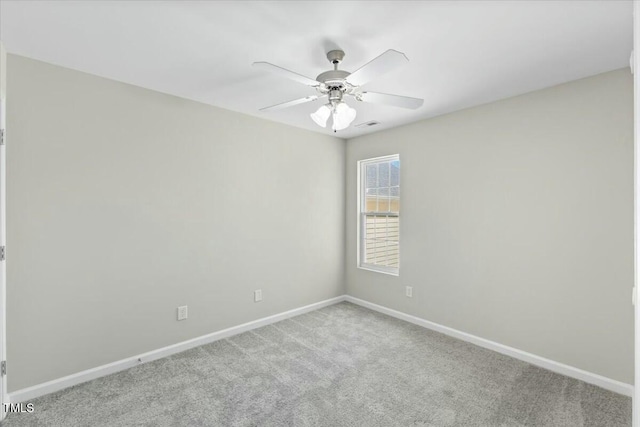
x: 461, y: 53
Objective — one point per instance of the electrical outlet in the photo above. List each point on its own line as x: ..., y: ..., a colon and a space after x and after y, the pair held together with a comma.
x: 257, y: 295
x: 182, y: 312
x: 408, y: 291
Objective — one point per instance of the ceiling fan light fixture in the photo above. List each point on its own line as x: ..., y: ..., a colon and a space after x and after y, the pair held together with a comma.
x: 343, y: 116
x: 321, y: 116
x: 334, y: 85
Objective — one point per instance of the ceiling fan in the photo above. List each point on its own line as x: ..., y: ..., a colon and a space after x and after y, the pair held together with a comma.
x: 335, y: 85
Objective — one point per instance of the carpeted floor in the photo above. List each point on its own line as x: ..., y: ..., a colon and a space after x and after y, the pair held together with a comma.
x: 343, y: 365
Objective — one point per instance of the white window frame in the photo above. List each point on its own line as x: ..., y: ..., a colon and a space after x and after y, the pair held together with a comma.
x: 362, y: 167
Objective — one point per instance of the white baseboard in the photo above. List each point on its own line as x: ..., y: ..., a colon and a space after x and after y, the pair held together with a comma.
x: 100, y: 371
x: 120, y: 365
x: 560, y: 368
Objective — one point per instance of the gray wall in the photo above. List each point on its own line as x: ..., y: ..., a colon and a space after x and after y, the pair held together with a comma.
x: 125, y: 203
x: 517, y: 222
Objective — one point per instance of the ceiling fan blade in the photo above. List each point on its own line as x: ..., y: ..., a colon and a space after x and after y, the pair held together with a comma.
x: 382, y: 64
x: 286, y: 73
x: 395, y: 100
x: 292, y: 103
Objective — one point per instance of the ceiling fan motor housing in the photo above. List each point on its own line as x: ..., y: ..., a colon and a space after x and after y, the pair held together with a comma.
x: 334, y: 79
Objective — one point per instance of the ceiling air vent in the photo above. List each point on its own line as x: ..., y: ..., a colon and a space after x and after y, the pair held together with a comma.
x: 367, y: 124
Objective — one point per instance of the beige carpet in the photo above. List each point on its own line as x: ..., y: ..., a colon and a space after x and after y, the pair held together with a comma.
x: 343, y: 365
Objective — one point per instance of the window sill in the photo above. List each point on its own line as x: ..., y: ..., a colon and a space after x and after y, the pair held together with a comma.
x: 389, y: 272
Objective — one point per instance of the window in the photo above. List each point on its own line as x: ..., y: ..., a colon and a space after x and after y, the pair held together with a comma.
x: 379, y: 214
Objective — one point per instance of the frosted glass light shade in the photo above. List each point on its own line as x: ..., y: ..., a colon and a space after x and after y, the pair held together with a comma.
x: 343, y: 116
x: 321, y: 116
